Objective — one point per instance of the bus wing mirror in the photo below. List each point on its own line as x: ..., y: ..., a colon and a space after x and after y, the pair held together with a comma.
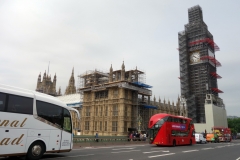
x: 73, y: 109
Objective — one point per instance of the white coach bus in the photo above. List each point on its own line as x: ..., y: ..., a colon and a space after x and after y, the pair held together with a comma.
x: 33, y: 123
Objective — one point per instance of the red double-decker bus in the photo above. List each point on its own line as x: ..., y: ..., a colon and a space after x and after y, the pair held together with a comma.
x: 170, y: 130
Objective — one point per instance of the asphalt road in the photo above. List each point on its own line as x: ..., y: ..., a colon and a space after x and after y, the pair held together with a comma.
x: 209, y: 151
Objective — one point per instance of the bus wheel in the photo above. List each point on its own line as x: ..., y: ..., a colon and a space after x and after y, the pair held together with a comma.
x: 35, y: 151
x: 174, y: 143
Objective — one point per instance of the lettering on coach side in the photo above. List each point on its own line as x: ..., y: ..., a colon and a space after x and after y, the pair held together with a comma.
x: 14, y: 123
x: 15, y: 141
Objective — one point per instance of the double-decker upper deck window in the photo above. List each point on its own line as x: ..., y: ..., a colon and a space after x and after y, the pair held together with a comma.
x: 19, y: 104
x: 2, y: 101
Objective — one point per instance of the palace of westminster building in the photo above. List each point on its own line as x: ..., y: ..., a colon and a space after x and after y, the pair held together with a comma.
x: 119, y: 101
x: 113, y: 103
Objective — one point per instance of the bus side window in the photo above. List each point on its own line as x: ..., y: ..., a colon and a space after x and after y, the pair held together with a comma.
x: 191, y: 122
x: 19, y: 104
x: 169, y: 119
x: 53, y: 115
x: 181, y: 121
x: 184, y: 121
x: 2, y: 101
x: 173, y: 133
x: 67, y: 124
x: 176, y: 120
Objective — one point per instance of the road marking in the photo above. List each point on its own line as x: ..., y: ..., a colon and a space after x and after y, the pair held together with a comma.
x: 72, y: 156
x: 108, y: 147
x: 219, y: 146
x: 206, y: 148
x: 122, y: 148
x: 150, y: 152
x: 229, y: 145
x: 134, y: 145
x: 155, y: 151
x: 238, y: 158
x: 236, y: 144
x: 157, y: 148
x: 126, y: 151
x: 189, y: 151
x: 161, y: 155
x: 81, y: 155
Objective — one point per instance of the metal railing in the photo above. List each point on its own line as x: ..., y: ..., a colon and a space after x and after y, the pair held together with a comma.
x: 110, y: 139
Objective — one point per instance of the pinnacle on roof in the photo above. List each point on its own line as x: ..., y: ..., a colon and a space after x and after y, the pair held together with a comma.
x: 123, y: 66
x: 111, y: 69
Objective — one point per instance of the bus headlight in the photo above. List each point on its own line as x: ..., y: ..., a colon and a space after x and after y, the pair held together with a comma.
x: 151, y: 139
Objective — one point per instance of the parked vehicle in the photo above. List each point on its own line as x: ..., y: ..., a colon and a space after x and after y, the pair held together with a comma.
x: 224, y: 134
x: 212, y: 137
x: 200, y: 138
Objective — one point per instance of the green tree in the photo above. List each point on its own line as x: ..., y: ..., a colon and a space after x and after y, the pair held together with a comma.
x: 234, y: 124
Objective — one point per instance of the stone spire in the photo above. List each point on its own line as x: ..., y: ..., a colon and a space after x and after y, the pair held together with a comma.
x: 111, y: 74
x: 130, y: 76
x: 71, y: 89
x: 123, y: 66
x: 39, y: 81
x: 136, y: 74
x: 54, y: 82
x: 173, y: 108
x: 154, y: 100
x: 59, y: 91
x: 44, y: 78
x: 123, y: 72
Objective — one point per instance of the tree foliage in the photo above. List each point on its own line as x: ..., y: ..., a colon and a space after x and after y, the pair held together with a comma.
x: 234, y: 124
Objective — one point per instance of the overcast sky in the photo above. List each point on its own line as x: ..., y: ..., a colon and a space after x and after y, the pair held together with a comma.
x: 93, y: 34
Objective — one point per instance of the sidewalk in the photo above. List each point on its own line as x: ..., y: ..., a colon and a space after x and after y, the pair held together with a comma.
x: 104, y: 144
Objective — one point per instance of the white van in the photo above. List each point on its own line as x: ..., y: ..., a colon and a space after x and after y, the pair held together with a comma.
x: 200, y: 138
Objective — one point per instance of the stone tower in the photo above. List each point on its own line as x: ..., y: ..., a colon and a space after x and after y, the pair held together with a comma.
x: 71, y: 88
x: 198, y: 64
x: 47, y: 85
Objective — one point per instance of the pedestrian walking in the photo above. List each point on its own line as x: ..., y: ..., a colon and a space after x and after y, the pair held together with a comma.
x: 144, y: 137
x: 130, y: 136
x: 96, y: 136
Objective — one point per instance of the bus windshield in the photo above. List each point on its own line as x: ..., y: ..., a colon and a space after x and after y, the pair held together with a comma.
x: 156, y: 127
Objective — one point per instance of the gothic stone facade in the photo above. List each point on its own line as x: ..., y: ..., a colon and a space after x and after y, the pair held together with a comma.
x: 111, y: 103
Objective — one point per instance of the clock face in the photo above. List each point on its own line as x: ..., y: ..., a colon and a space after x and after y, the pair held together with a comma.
x: 195, y: 57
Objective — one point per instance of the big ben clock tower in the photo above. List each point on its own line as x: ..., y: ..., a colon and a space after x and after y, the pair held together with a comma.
x: 198, y: 66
